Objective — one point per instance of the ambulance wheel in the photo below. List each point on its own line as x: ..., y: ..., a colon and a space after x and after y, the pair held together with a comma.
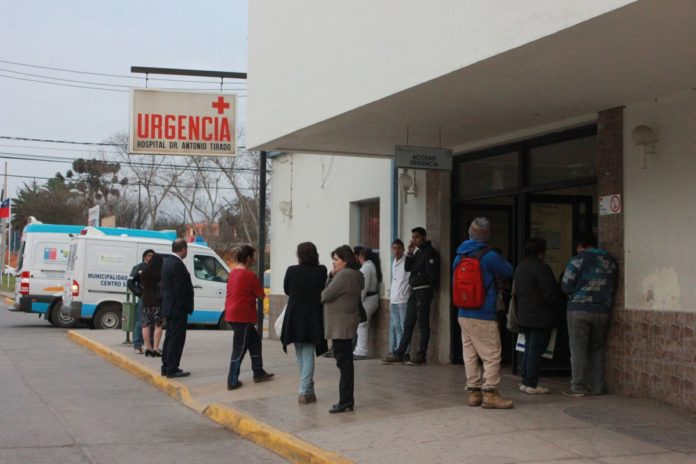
x: 223, y: 324
x: 108, y: 317
x: 60, y: 320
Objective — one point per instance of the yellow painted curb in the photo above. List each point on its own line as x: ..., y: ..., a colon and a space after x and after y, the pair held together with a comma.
x: 282, y: 443
x: 172, y: 388
x: 285, y: 444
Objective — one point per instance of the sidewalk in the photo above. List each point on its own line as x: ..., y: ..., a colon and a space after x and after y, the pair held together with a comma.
x: 408, y: 414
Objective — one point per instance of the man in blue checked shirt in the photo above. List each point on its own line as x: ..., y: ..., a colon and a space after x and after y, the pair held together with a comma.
x: 589, y: 281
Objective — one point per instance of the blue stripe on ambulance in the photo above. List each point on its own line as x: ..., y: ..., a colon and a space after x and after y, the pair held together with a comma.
x: 201, y: 316
x: 37, y: 307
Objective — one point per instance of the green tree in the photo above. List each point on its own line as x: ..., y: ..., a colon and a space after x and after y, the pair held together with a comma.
x: 55, y: 202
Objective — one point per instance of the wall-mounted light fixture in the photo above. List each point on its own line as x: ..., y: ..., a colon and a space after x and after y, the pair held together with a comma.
x: 407, y: 185
x: 645, y: 137
x: 285, y: 207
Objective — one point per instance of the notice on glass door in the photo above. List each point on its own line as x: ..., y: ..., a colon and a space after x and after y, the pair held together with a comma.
x: 554, y: 223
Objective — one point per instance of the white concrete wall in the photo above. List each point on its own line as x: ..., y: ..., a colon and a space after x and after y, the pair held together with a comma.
x: 323, y: 188
x: 660, y: 217
x: 310, y: 60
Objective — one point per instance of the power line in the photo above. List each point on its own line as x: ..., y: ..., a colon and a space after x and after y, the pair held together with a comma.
x: 120, y: 76
x: 67, y: 70
x: 105, y: 89
x: 63, y: 85
x: 136, y: 183
x: 83, y: 82
x: 71, y: 142
x: 85, y: 150
x: 111, y: 144
x: 42, y: 158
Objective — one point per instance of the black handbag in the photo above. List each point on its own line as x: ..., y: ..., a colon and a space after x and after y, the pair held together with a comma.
x: 362, y: 312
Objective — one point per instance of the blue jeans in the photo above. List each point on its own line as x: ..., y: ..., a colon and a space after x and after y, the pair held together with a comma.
x: 535, y: 341
x: 396, y: 325
x: 138, y: 340
x: 587, y: 337
x: 305, y: 361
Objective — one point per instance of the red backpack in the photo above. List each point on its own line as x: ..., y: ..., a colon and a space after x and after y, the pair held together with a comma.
x: 468, y: 290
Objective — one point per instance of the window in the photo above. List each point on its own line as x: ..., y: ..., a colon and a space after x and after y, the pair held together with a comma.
x: 209, y: 268
x: 368, y: 224
x: 72, y: 257
x: 572, y: 159
x: 21, y: 256
x: 490, y: 174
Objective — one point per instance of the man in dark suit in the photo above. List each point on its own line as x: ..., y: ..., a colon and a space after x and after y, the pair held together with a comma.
x: 177, y: 304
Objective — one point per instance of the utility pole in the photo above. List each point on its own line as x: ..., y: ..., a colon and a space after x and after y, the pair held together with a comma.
x: 261, y: 248
x: 4, y: 230
x: 262, y: 232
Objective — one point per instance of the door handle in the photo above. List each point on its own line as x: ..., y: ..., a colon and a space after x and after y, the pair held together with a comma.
x: 197, y: 286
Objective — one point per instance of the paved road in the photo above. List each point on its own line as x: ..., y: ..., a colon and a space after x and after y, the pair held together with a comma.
x: 62, y: 404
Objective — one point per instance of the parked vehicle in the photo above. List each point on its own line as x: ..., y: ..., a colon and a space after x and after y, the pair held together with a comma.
x: 266, y: 291
x: 99, y: 266
x: 43, y: 257
x: 42, y: 262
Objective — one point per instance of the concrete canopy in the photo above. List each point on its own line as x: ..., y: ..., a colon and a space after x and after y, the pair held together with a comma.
x: 635, y: 53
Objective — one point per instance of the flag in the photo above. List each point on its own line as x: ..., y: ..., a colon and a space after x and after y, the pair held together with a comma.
x: 5, y: 208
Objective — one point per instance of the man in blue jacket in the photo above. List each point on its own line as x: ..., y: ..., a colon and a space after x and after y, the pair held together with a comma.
x: 589, y: 281
x: 480, y: 335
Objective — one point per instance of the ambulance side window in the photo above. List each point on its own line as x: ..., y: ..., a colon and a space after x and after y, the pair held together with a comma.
x: 21, y: 256
x: 72, y: 257
x: 209, y: 268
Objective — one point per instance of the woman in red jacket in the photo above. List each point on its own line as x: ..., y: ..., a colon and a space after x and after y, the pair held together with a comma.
x: 243, y: 288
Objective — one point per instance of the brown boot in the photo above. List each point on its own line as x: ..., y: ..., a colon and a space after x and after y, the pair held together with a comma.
x: 475, y: 397
x: 492, y: 400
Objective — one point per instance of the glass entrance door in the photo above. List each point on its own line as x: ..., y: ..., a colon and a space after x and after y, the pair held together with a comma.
x: 560, y: 220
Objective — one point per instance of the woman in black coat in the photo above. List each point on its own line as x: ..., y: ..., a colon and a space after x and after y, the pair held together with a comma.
x: 537, y: 299
x: 152, y: 303
x: 303, y: 324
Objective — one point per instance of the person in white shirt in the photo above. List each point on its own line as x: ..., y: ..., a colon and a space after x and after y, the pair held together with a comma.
x: 398, y: 295
x: 370, y: 298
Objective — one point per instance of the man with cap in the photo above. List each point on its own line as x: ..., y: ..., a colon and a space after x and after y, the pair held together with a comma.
x: 423, y: 263
x: 480, y: 335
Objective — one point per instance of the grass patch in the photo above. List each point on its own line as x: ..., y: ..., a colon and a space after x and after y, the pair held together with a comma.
x: 8, y: 283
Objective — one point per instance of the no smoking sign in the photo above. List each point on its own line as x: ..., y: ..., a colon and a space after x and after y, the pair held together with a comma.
x: 609, y: 204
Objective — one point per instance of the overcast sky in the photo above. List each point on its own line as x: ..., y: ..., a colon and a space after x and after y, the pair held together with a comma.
x: 108, y: 37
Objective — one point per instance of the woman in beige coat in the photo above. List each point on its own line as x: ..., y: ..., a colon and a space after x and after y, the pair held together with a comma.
x: 341, y: 317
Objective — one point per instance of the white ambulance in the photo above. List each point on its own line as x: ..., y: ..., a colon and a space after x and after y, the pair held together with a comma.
x: 42, y: 259
x: 99, y: 266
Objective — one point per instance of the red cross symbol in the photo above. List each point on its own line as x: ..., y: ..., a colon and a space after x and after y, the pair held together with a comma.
x: 221, y: 105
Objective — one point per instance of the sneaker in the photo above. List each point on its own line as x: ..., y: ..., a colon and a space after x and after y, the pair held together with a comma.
x: 359, y: 357
x: 328, y: 354
x: 138, y: 349
x: 417, y: 360
x: 574, y: 393
x: 393, y: 359
x: 534, y: 390
x: 493, y: 400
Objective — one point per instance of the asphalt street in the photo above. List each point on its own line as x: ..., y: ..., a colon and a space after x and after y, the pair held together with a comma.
x: 62, y: 404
